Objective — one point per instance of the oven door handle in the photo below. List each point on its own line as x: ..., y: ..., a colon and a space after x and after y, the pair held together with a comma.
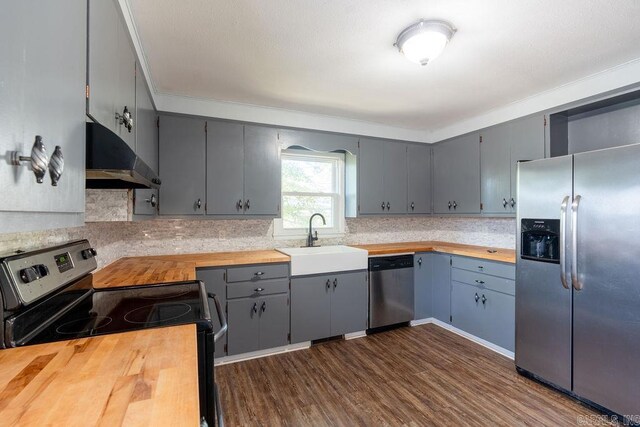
x: 219, y: 413
x: 221, y: 317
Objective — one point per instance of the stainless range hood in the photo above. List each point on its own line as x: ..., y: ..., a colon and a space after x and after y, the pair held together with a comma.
x: 111, y: 163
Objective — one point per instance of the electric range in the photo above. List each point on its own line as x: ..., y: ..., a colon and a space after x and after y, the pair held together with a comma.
x: 47, y: 295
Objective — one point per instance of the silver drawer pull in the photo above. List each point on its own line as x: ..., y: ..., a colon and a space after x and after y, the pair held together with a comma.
x: 481, y: 282
x: 480, y: 267
x: 258, y: 273
x: 259, y: 289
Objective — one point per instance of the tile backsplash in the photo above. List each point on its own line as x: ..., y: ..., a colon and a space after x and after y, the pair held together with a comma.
x: 111, y: 231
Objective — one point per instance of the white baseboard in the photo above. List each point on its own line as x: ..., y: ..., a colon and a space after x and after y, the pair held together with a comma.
x: 484, y: 343
x: 355, y: 335
x: 262, y: 353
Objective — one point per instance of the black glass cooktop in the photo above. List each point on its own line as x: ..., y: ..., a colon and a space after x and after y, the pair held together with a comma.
x: 108, y: 311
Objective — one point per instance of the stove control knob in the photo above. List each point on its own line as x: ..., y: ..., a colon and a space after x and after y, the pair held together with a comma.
x: 28, y: 274
x: 42, y: 270
x: 89, y: 253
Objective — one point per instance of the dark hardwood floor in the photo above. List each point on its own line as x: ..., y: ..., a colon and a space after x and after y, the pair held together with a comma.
x: 418, y: 376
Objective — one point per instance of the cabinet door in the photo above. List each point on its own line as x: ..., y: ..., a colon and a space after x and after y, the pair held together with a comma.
x: 371, y: 177
x: 42, y: 78
x: 349, y: 303
x: 310, y: 308
x: 465, y: 178
x: 527, y: 143
x: 443, y: 164
x: 423, y: 285
x: 498, y: 318
x: 146, y: 130
x: 225, y: 168
x: 243, y: 334
x: 419, y: 179
x: 395, y: 177
x: 262, y: 171
x: 442, y: 287
x: 214, y: 282
x: 495, y: 179
x: 182, y: 166
x: 467, y: 313
x: 111, y: 68
x: 274, y: 321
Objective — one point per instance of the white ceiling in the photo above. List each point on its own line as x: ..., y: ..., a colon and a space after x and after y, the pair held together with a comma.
x: 336, y: 57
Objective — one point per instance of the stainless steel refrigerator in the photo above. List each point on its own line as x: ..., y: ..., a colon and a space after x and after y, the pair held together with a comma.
x: 578, y: 275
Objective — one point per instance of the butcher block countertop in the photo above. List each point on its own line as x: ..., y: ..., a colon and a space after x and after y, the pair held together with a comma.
x: 141, y: 378
x: 483, y: 252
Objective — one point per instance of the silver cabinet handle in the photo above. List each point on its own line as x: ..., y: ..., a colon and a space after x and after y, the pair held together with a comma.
x: 198, y: 203
x: 504, y: 203
x: 575, y: 281
x: 247, y: 205
x: 263, y: 307
x: 335, y: 283
x: 449, y: 205
x: 413, y: 205
x: 255, y: 307
x: 512, y: 202
x: 480, y: 282
x: 382, y: 205
x: 152, y: 201
x: 39, y: 159
x: 480, y: 267
x: 258, y: 273
x: 484, y: 299
x: 563, y: 241
x: 258, y: 289
x: 125, y: 119
x: 420, y: 262
x: 221, y: 317
x: 455, y: 205
x: 388, y: 205
x: 56, y: 166
x: 239, y: 205
x: 328, y: 283
x: 476, y: 297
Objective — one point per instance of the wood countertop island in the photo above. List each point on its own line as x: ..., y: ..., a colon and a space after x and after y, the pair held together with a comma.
x: 141, y: 378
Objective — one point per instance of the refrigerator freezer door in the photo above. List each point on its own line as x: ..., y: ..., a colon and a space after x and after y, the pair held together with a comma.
x: 606, y: 311
x: 543, y: 304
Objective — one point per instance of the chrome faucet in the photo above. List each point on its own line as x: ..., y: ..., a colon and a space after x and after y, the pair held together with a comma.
x: 311, y: 238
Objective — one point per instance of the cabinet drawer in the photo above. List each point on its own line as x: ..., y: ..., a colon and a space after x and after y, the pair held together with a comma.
x: 255, y: 289
x: 257, y: 272
x: 498, y: 284
x: 508, y: 271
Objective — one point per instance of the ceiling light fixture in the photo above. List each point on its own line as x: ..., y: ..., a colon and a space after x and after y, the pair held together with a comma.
x: 424, y: 41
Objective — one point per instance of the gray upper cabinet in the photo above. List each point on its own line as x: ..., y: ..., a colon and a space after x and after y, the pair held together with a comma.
x: 382, y: 180
x: 456, y: 165
x: 418, y: 179
x: 225, y: 168
x: 243, y: 170
x: 111, y: 68
x: 146, y: 129
x: 182, y: 165
x: 262, y: 171
x: 501, y: 148
x: 43, y: 75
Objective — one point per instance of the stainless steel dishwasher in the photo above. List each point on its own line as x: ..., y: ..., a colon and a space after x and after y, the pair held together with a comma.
x: 390, y: 290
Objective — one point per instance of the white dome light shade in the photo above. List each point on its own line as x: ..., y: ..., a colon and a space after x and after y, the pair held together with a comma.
x: 424, y: 41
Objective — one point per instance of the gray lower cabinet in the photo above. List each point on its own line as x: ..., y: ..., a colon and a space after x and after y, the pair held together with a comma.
x: 418, y: 179
x: 441, y: 287
x: 382, y: 180
x: 182, y: 165
x: 42, y: 82
x: 214, y: 281
x: 328, y: 305
x: 257, y: 323
x: 456, y: 174
x: 423, y: 285
x: 501, y: 148
x: 111, y: 68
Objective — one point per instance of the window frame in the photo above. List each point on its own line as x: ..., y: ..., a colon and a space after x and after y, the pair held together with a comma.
x: 339, y: 222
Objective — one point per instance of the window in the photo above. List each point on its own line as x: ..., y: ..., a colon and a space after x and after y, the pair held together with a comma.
x: 311, y: 182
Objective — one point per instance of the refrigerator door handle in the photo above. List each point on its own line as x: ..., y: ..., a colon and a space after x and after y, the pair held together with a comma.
x: 574, y: 243
x: 563, y: 241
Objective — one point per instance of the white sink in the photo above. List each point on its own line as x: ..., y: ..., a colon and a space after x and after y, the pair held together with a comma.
x: 325, y: 259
